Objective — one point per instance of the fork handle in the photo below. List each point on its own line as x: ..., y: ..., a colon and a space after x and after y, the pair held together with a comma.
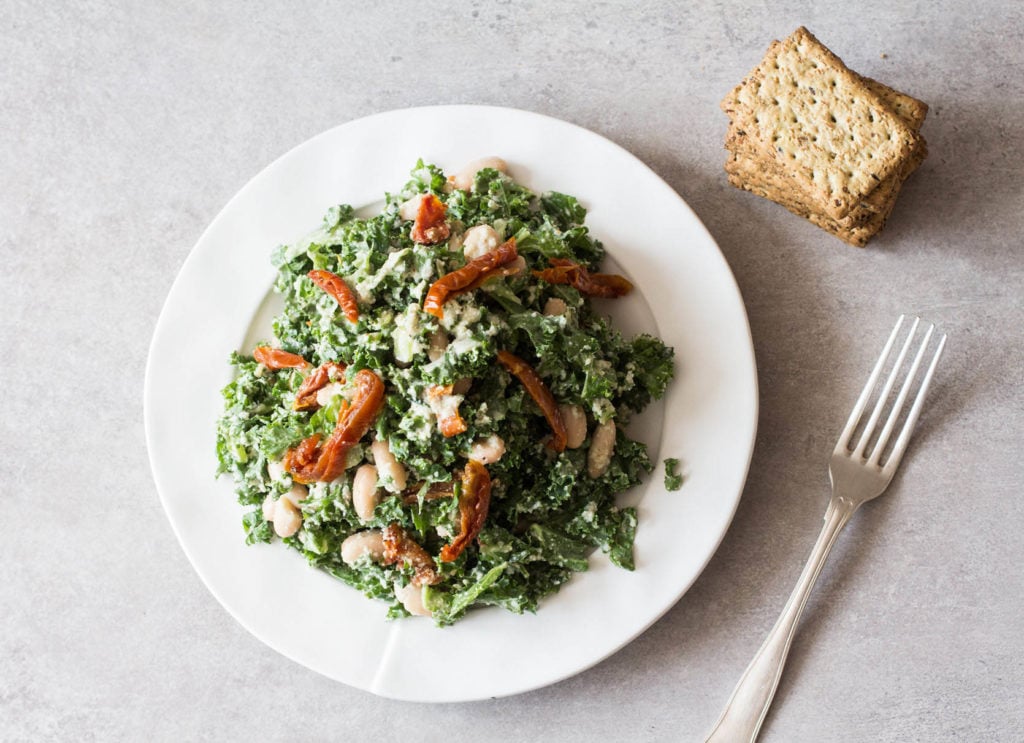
x: 741, y: 720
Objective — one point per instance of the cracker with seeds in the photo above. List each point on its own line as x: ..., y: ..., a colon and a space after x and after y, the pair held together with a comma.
x: 908, y: 108
x: 857, y: 234
x: 771, y: 184
x: 775, y: 184
x: 820, y: 123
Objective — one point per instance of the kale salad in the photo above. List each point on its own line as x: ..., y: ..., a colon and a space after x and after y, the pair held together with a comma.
x: 439, y: 419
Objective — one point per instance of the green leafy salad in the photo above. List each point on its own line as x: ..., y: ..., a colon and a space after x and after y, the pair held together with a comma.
x: 439, y: 418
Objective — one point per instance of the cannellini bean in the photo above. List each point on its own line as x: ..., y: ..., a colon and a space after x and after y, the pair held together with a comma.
x: 326, y: 393
x: 575, y: 421
x: 455, y: 239
x: 297, y: 494
x: 388, y: 467
x: 268, y: 507
x: 365, y: 494
x: 479, y: 240
x: 489, y: 450
x: 407, y: 209
x: 516, y: 267
x: 369, y: 542
x: 601, y: 447
x: 438, y: 343
x: 463, y: 180
x: 287, y: 518
x: 275, y: 470
x: 555, y: 306
x: 412, y: 599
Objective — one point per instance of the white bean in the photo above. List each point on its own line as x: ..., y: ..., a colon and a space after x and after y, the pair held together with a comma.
x: 438, y: 343
x: 407, y: 209
x: 275, y: 470
x: 489, y: 450
x: 555, y: 306
x: 479, y: 241
x: 463, y: 180
x: 516, y: 267
x: 287, y: 518
x: 455, y: 239
x: 412, y: 599
x: 268, y: 507
x: 575, y: 421
x: 365, y: 494
x: 388, y: 468
x: 601, y: 447
x: 369, y: 542
x: 297, y: 494
x: 325, y: 394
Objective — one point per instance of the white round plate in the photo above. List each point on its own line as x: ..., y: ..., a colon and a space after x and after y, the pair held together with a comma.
x: 708, y: 418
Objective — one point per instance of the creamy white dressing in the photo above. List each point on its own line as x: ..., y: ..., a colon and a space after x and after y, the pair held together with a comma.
x: 417, y: 423
x: 364, y: 286
x: 404, y: 336
x: 462, y: 345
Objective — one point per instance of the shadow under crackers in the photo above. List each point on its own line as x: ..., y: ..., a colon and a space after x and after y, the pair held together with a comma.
x: 970, y: 183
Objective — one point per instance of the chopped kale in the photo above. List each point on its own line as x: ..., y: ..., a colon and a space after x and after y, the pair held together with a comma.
x: 547, y: 515
x: 673, y: 480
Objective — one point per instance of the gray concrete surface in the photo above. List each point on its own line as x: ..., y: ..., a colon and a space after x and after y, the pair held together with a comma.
x: 127, y: 126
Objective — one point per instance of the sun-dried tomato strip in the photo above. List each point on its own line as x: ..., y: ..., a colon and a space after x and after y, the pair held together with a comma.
x: 399, y: 547
x: 339, y: 290
x: 513, y: 268
x: 540, y: 394
x: 449, y: 420
x: 434, y: 491
x: 430, y: 227
x: 354, y: 420
x: 468, y: 277
x: 564, y: 271
x: 275, y: 358
x: 305, y: 398
x: 304, y: 455
x: 474, y: 500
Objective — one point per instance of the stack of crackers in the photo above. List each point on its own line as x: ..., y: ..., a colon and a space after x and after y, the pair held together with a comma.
x: 829, y: 145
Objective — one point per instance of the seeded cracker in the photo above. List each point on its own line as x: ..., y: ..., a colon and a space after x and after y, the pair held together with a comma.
x: 855, y: 234
x: 908, y: 108
x: 767, y: 182
x: 817, y: 120
x: 768, y: 179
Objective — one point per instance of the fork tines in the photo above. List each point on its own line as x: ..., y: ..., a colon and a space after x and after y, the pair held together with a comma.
x: 873, y: 455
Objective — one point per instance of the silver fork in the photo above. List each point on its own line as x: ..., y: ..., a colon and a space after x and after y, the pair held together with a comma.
x: 857, y: 476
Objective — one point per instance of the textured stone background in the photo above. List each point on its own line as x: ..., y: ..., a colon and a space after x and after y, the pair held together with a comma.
x: 127, y: 126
